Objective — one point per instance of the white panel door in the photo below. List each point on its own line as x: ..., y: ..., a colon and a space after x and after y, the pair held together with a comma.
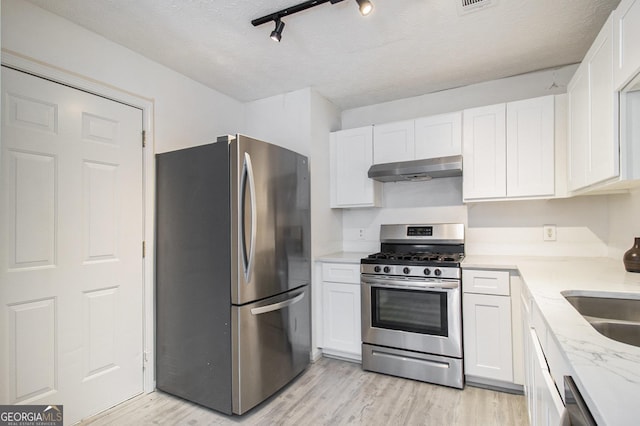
x: 351, y: 158
x: 393, y: 142
x: 484, y: 151
x: 70, y: 257
x: 603, y: 155
x: 578, y: 92
x: 627, y: 41
x: 530, y: 147
x: 341, y: 315
x: 439, y: 135
x: 487, y: 336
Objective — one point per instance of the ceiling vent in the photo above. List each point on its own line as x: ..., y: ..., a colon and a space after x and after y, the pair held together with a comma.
x: 468, y: 6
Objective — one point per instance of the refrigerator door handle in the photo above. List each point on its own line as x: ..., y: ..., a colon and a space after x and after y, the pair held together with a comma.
x: 247, y: 175
x: 277, y: 306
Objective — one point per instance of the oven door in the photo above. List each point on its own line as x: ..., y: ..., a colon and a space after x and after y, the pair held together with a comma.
x: 415, y: 314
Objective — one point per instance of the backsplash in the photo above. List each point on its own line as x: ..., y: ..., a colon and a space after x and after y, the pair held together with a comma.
x: 492, y: 228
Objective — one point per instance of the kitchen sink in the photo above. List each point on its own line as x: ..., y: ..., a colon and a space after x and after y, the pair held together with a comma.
x: 615, y: 318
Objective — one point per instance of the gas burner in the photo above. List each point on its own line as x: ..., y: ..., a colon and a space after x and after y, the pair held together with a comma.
x: 418, y: 257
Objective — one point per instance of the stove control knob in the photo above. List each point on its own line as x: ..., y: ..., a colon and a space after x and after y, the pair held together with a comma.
x: 438, y: 272
x: 427, y: 271
x: 387, y: 269
x: 376, y: 269
x: 406, y: 270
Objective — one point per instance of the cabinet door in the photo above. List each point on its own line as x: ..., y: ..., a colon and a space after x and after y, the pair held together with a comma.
x: 487, y: 336
x: 529, y: 358
x: 341, y: 316
x: 627, y: 41
x: 351, y: 157
x: 603, y: 154
x: 484, y: 151
x: 548, y: 406
x: 530, y: 147
x: 439, y: 135
x: 578, y: 93
x: 393, y: 142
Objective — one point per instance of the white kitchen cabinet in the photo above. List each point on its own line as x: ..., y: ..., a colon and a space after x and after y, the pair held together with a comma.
x: 484, y: 152
x: 548, y: 405
x: 544, y: 402
x: 341, y: 311
x: 393, y: 142
x: 577, y: 147
x: 427, y: 137
x: 351, y: 156
x: 487, y: 336
x: 530, y: 147
x: 626, y: 22
x: 438, y: 135
x: 593, y: 115
x: 509, y: 150
x: 487, y: 331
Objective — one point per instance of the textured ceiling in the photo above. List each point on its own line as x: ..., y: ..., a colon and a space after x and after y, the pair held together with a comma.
x: 404, y: 48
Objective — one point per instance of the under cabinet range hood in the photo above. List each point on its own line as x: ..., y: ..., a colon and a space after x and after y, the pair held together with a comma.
x: 417, y: 170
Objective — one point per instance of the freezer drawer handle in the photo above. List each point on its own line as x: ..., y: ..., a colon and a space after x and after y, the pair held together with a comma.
x: 277, y: 306
x: 247, y: 260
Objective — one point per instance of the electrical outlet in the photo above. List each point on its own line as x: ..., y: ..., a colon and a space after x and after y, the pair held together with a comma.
x: 361, y: 233
x: 549, y: 232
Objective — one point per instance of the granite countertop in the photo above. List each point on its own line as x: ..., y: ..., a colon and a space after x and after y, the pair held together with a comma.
x: 607, y: 372
x: 342, y: 257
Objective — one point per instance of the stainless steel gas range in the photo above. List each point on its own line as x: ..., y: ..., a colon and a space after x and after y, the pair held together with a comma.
x: 411, y: 304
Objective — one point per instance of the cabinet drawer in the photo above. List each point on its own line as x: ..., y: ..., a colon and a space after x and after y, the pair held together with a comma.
x: 341, y: 272
x: 485, y: 282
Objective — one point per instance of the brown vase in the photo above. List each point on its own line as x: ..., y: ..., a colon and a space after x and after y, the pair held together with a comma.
x: 631, y: 258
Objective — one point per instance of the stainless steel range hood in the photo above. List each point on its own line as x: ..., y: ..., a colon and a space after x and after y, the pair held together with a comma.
x: 417, y: 170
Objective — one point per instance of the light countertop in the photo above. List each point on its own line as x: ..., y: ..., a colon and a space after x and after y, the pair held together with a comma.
x: 342, y: 257
x: 607, y: 372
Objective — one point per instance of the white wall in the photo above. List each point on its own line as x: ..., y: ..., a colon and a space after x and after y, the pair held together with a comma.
x: 284, y: 120
x: 186, y: 112
x: 491, y: 92
x: 326, y: 223
x: 513, y: 227
x: 624, y: 222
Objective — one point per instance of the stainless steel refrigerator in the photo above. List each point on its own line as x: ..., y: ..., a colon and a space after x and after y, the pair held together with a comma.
x: 232, y: 272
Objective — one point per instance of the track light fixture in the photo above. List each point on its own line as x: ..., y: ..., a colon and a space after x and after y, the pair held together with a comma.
x: 365, y: 7
x: 276, y: 34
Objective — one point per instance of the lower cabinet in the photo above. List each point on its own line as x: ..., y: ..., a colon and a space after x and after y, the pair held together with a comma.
x: 341, y: 311
x: 487, y: 336
x: 492, y: 345
x: 544, y: 401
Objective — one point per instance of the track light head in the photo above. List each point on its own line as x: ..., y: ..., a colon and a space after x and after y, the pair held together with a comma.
x: 365, y: 6
x: 276, y: 34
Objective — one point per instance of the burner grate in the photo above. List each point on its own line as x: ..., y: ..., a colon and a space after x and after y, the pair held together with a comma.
x: 418, y: 257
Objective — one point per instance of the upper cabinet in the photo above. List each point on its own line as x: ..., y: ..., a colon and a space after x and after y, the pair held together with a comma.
x: 530, y: 147
x: 439, y: 135
x: 393, y: 142
x: 351, y: 156
x: 604, y: 106
x: 509, y: 150
x: 427, y: 137
x: 593, y: 147
x: 627, y: 41
x: 484, y: 152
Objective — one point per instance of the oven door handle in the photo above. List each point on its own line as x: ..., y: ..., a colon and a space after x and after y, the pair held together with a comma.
x: 425, y: 285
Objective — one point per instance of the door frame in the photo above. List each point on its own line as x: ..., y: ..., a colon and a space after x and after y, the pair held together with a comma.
x: 105, y: 90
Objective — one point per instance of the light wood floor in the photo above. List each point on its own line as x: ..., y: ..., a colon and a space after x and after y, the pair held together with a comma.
x: 333, y: 392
